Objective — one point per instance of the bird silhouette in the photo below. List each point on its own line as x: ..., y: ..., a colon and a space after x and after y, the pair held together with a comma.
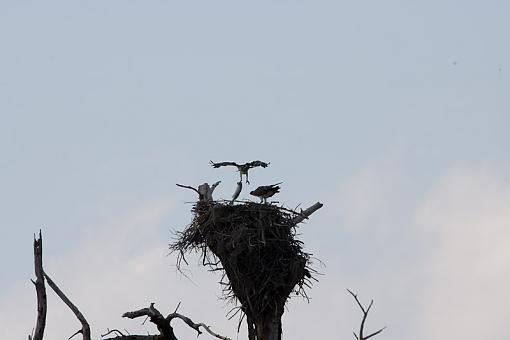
x: 266, y: 191
x: 242, y: 168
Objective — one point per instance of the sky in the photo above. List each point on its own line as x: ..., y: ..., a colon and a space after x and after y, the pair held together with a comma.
x: 393, y: 114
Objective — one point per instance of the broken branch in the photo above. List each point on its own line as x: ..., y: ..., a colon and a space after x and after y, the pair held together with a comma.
x: 204, y: 191
x: 40, y: 290
x: 195, y: 326
x: 163, y: 323
x: 304, y: 214
x: 85, y: 330
x: 188, y: 187
x: 156, y: 318
x: 109, y: 331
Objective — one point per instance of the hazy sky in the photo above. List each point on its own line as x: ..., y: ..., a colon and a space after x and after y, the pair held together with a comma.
x: 394, y: 114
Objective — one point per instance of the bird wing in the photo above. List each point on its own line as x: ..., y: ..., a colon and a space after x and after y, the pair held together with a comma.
x: 265, y: 189
x: 257, y: 163
x: 217, y: 165
x: 259, y: 191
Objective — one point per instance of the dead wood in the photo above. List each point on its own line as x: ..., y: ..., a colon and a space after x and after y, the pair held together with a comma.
x: 85, y: 328
x: 163, y: 323
x: 204, y: 191
x: 167, y: 332
x: 40, y: 290
x: 360, y: 335
x: 304, y: 214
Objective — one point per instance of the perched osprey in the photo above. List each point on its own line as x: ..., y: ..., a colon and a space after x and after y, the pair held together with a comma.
x: 266, y: 191
x: 242, y: 168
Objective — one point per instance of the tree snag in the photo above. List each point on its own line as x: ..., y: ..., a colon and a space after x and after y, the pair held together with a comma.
x: 162, y: 323
x: 40, y: 290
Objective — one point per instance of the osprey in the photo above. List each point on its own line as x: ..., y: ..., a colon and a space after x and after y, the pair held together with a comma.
x: 242, y: 168
x: 266, y: 191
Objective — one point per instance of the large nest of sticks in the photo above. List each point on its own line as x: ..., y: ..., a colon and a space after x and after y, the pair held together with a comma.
x: 255, y: 246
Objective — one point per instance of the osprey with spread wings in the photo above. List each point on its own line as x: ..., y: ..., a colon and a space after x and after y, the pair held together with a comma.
x: 242, y: 168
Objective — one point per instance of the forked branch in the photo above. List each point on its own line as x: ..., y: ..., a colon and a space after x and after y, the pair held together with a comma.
x: 42, y: 299
x: 163, y: 323
x: 365, y: 311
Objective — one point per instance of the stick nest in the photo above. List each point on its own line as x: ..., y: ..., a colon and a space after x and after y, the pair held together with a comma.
x: 255, y: 246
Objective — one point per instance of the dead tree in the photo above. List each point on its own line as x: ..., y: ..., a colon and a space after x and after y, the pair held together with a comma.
x: 40, y: 288
x: 163, y: 323
x: 41, y: 297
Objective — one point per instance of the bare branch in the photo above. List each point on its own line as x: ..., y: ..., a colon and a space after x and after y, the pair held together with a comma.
x: 188, y: 187
x: 76, y: 333
x: 85, y: 330
x: 208, y: 330
x: 116, y: 331
x: 375, y: 333
x: 156, y: 318
x: 356, y: 298
x: 204, y: 191
x: 163, y: 324
x: 195, y: 326
x: 135, y: 337
x: 365, y: 314
x: 176, y: 308
x: 304, y: 214
x: 40, y: 290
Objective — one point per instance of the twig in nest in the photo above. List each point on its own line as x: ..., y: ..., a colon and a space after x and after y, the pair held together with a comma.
x: 360, y: 336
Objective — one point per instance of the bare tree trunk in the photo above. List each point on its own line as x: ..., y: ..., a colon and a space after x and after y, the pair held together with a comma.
x: 40, y: 289
x: 269, y: 329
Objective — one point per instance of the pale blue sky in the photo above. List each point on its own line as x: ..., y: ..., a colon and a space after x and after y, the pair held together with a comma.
x: 371, y: 107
